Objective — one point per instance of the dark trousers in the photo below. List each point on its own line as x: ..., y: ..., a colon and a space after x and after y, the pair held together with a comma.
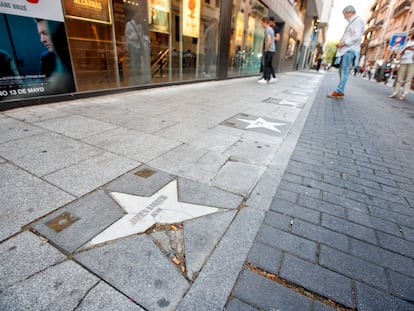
x: 267, y: 65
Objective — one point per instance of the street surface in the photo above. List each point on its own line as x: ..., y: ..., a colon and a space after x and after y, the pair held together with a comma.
x: 227, y: 195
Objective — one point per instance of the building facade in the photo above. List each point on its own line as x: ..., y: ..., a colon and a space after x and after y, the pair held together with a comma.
x: 389, y: 24
x: 58, y: 49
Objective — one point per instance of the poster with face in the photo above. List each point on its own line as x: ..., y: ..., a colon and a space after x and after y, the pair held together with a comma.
x: 34, y: 54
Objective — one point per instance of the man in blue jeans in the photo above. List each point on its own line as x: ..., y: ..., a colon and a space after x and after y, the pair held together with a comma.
x: 348, y: 48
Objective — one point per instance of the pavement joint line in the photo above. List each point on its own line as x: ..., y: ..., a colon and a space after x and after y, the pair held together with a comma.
x: 296, y: 288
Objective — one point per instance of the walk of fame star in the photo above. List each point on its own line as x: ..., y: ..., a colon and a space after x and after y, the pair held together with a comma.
x: 262, y: 123
x: 143, y: 212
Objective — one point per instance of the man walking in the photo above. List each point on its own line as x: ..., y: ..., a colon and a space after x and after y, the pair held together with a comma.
x: 268, y: 51
x: 348, y: 48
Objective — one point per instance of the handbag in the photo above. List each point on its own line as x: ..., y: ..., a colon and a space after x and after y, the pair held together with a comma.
x: 336, y: 61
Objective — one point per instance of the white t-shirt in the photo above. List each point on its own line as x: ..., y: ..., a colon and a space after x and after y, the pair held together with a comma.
x: 407, y: 56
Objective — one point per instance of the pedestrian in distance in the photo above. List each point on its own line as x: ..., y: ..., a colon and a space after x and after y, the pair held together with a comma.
x: 406, y: 71
x: 276, y: 29
x: 348, y: 49
x: 268, y: 51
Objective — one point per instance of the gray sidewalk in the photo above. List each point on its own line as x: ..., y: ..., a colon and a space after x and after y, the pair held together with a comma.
x: 143, y: 200
x: 210, y: 196
x: 340, y: 230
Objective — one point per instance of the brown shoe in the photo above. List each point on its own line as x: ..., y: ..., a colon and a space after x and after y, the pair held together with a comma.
x: 336, y: 95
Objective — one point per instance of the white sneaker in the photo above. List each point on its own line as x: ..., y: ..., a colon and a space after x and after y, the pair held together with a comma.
x: 273, y: 80
x: 262, y: 81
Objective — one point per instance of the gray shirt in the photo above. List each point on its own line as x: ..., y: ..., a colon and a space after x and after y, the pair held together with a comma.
x: 270, y: 32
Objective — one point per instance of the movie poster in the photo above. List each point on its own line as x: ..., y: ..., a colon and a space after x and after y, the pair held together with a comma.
x: 191, y: 18
x: 34, y: 54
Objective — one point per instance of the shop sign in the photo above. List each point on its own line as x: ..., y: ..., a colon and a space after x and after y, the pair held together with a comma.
x: 46, y: 9
x: 90, y: 10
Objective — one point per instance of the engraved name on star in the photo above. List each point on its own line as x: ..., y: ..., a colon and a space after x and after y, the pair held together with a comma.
x: 143, y: 212
x: 262, y: 123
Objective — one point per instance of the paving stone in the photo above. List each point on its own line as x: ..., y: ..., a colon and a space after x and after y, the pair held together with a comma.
x: 386, y: 196
x: 179, y: 160
x: 249, y: 151
x: 23, y: 256
x: 399, y: 215
x: 206, y: 168
x: 320, y: 235
x: 300, y: 189
x: 265, y: 257
x: 95, y: 211
x: 373, y: 222
x: 47, y: 153
x: 36, y: 113
x: 132, y: 144
x: 33, y: 197
x: 295, y: 211
x: 286, y: 195
x: 64, y: 284
x: 382, y: 257
x: 238, y: 305
x: 201, y: 236
x: 264, y: 191
x: 322, y: 206
x: 11, y: 129
x: 397, y: 245
x: 85, y: 176
x: 139, y: 122
x: 287, y: 242
x: 408, y: 233
x: 238, y: 177
x: 402, y: 285
x: 348, y: 228
x: 353, y: 267
x: 278, y: 220
x: 196, y: 193
x: 371, y: 299
x: 317, y: 279
x: 138, y: 269
x: 105, y: 298
x: 268, y: 295
x: 133, y: 183
x: 219, y: 269
x: 75, y: 126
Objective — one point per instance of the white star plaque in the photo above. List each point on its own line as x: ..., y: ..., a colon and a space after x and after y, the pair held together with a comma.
x: 260, y: 122
x: 143, y: 212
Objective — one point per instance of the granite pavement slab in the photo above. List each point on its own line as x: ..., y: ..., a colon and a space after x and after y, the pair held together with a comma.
x: 76, y: 126
x: 47, y: 153
x: 75, y: 224
x: 83, y: 177
x: 132, y: 144
x: 138, y: 269
x: 106, y: 298
x: 25, y: 198
x: 238, y: 177
x: 11, y: 129
x: 17, y: 258
x: 60, y: 286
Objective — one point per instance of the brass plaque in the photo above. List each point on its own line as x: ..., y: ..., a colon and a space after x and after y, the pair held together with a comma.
x: 145, y: 172
x: 62, y: 221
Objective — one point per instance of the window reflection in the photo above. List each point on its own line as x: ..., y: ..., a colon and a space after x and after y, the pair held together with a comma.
x: 246, y: 42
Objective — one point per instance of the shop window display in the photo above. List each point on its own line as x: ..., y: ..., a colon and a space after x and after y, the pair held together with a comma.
x: 246, y: 42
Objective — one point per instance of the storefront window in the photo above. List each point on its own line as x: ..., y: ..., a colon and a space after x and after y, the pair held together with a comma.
x: 246, y: 42
x: 144, y: 42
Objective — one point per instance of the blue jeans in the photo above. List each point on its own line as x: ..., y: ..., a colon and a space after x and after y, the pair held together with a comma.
x: 346, y: 63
